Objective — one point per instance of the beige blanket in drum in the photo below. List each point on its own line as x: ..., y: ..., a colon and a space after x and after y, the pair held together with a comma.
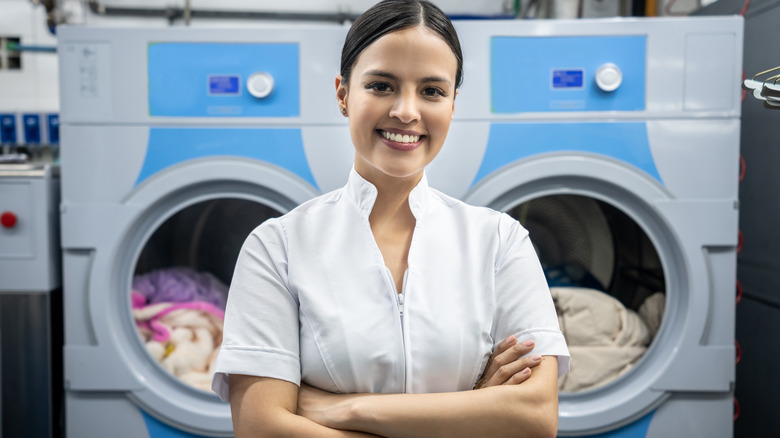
x: 605, y: 338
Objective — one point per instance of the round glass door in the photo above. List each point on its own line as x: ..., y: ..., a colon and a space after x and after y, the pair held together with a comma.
x: 607, y: 283
x: 180, y: 284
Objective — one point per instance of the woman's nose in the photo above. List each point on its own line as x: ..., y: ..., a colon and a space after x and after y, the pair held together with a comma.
x: 405, y: 108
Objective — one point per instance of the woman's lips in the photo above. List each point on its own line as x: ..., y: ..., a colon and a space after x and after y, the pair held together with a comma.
x: 400, y: 142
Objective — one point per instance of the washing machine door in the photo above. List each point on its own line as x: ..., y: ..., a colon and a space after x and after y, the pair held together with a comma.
x: 194, y: 216
x: 605, y: 199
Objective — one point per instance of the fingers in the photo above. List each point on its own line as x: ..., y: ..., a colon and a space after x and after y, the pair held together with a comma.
x: 503, y: 345
x: 524, y: 373
x: 520, y: 377
x: 503, y: 367
x: 515, y: 372
x: 510, y: 352
x: 490, y: 368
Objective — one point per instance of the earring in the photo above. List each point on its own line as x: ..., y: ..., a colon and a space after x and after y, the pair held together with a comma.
x: 343, y: 111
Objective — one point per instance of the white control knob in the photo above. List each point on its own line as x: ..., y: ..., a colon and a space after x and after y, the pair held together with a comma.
x: 609, y: 77
x: 260, y: 85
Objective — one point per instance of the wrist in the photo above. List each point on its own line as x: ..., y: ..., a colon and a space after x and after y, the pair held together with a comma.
x: 354, y: 412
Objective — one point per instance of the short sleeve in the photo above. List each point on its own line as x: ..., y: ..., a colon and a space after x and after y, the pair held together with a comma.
x: 261, y: 335
x: 524, y: 306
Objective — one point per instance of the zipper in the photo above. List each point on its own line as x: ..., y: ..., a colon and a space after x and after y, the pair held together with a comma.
x: 399, y: 301
x: 400, y: 298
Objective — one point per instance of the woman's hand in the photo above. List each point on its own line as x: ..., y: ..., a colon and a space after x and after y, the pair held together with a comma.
x: 504, y: 368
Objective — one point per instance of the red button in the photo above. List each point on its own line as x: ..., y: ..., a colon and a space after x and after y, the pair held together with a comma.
x: 8, y: 219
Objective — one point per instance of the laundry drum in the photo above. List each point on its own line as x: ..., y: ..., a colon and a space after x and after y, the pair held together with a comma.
x: 181, y: 279
x: 606, y: 279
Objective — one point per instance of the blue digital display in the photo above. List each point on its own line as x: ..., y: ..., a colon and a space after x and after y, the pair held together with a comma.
x: 226, y: 85
x: 567, y: 79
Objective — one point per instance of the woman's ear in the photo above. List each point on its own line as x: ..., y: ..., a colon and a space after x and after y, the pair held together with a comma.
x: 341, y: 93
x: 453, y: 103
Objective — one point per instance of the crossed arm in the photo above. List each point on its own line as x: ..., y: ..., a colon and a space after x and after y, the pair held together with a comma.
x: 499, y: 406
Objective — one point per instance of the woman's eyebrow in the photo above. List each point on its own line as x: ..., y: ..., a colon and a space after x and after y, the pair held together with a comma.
x: 380, y: 73
x: 385, y: 74
x: 435, y: 79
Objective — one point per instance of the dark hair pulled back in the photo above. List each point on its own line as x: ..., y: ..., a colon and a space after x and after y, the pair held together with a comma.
x: 389, y: 16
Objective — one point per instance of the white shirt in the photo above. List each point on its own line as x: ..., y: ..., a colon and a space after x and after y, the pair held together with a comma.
x: 312, y: 300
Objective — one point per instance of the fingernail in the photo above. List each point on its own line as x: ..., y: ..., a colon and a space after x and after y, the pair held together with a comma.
x: 511, y: 340
x: 529, y: 343
x: 526, y: 371
x: 536, y: 358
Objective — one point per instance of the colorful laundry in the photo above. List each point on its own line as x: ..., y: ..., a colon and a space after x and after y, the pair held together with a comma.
x: 184, y: 334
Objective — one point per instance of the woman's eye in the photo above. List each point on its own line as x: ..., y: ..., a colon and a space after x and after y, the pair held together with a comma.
x: 378, y: 86
x: 432, y: 92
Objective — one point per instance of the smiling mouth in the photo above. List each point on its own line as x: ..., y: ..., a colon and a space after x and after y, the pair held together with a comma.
x: 400, y: 138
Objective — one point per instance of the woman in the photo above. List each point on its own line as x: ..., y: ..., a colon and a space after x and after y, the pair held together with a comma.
x: 384, y: 300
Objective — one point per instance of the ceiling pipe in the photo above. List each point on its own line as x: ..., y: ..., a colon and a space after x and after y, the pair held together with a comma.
x: 174, y: 13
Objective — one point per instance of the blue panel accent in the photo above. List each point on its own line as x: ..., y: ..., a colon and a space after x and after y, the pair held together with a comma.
x: 158, y: 429
x: 523, y: 73
x: 205, y: 79
x: 53, y: 122
x: 7, y: 128
x: 32, y: 128
x: 282, y: 147
x: 509, y: 142
x: 637, y: 429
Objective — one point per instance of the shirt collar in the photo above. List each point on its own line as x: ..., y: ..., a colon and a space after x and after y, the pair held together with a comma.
x: 363, y: 193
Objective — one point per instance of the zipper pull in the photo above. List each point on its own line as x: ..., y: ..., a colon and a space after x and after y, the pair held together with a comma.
x: 401, y: 303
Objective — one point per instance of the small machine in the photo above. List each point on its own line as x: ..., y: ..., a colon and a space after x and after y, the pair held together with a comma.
x: 30, y: 301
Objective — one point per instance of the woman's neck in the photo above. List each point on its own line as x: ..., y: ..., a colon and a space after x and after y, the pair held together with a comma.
x: 392, y: 199
x: 392, y: 221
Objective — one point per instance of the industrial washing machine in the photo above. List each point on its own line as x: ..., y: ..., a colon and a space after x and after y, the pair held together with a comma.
x: 176, y: 143
x: 616, y: 143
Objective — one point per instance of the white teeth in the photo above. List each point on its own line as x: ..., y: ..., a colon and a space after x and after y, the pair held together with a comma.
x: 401, y: 138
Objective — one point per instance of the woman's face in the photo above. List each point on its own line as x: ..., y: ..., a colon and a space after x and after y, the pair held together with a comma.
x: 400, y: 100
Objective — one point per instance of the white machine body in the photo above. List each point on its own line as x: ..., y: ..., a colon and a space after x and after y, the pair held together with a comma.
x: 643, y: 115
x: 156, y: 121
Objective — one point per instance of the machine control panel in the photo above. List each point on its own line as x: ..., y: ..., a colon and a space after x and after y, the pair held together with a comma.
x: 17, y: 240
x: 568, y: 73
x: 29, y: 236
x: 224, y: 79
